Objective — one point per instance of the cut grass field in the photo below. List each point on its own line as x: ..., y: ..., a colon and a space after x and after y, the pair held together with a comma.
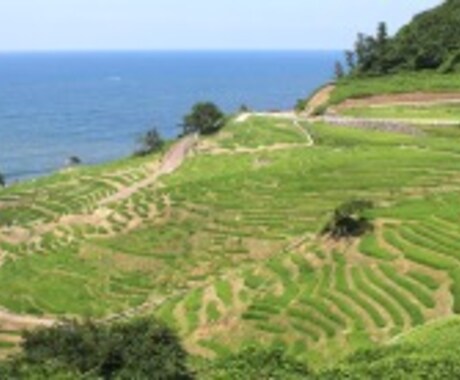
x: 355, y: 88
x: 227, y: 251
x: 449, y: 112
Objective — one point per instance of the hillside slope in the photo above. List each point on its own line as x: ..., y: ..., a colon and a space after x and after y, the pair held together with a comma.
x: 227, y: 248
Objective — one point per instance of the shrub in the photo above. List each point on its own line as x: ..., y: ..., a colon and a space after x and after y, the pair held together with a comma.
x: 73, y: 161
x: 151, y: 142
x: 205, y: 118
x: 40, y: 371
x: 244, y: 109
x: 256, y: 364
x: 301, y: 105
x: 349, y: 220
x: 138, y: 349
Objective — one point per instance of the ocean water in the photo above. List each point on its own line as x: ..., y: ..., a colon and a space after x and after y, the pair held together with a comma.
x: 96, y: 105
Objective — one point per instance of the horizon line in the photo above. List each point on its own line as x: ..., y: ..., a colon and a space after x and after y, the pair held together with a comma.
x: 168, y: 50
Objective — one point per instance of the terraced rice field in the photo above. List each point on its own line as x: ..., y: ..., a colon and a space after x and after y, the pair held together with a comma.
x: 435, y: 112
x: 227, y: 248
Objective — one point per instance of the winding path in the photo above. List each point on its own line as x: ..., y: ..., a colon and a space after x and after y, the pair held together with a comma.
x: 171, y: 162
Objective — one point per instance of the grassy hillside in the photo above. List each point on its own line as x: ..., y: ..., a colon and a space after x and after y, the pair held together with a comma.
x: 429, y: 351
x: 227, y: 248
x: 444, y: 112
x: 359, y: 87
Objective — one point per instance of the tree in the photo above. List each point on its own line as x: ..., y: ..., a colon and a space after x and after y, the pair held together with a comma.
x: 138, y: 349
x: 2, y: 180
x: 151, y: 142
x: 301, y: 105
x: 338, y: 70
x: 205, y: 118
x: 350, y: 59
x: 382, y: 34
x: 244, y: 109
x: 349, y: 220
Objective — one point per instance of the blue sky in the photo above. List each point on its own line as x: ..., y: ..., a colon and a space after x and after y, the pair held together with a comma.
x: 195, y: 24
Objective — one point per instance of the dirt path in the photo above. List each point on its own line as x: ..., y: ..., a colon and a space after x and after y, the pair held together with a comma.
x: 319, y: 99
x: 172, y: 161
x: 242, y: 117
x: 15, y: 322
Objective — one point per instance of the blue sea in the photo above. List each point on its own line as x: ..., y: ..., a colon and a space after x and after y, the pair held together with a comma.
x: 96, y: 105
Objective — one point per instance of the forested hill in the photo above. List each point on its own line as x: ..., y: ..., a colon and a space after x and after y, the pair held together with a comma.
x: 429, y: 41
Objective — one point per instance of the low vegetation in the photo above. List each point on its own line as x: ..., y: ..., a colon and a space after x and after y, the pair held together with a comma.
x: 151, y: 142
x: 407, y: 82
x: 349, y: 220
x: 138, y: 349
x: 435, y: 113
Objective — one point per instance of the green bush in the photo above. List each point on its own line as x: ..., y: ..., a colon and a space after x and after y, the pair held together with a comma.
x: 256, y: 364
x: 301, y: 105
x: 205, y: 118
x: 349, y: 220
x: 138, y: 349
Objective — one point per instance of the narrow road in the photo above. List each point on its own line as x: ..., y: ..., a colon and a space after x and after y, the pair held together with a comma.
x: 171, y: 162
x: 319, y: 99
x: 23, y: 320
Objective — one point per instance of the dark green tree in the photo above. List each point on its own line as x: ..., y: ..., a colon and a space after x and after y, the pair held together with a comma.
x: 205, y: 118
x: 349, y: 220
x: 339, y: 71
x: 73, y: 161
x: 2, y: 180
x: 382, y: 34
x: 301, y: 105
x: 350, y: 59
x: 138, y: 349
x: 244, y: 109
x: 150, y: 142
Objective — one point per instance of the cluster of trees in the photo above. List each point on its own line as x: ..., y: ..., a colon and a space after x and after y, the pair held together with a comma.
x: 430, y: 41
x: 151, y: 142
x: 139, y: 349
x: 2, y: 180
x: 204, y: 118
x: 373, y: 55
